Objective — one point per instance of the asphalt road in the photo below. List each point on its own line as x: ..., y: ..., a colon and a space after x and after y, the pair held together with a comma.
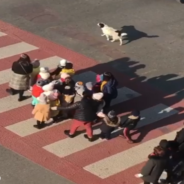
x: 153, y: 51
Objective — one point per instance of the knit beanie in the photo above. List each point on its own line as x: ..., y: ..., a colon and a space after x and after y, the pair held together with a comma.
x: 99, y: 78
x: 107, y: 76
x: 69, y: 66
x: 89, y: 86
x: 36, y: 63
x: 63, y: 62
x: 135, y: 113
x: 97, y: 96
x: 44, y: 70
x: 164, y: 144
x: 42, y: 99
x: 111, y: 114
x: 40, y: 82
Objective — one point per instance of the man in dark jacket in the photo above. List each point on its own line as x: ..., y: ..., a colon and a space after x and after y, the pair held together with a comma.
x: 86, y: 111
x: 129, y: 124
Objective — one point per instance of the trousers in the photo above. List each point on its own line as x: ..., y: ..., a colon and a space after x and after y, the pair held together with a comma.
x: 87, y: 125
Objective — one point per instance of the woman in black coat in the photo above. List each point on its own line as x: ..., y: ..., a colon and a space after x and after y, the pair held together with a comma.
x: 21, y: 75
x: 154, y: 167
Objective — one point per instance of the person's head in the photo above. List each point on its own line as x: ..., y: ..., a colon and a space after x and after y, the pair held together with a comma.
x: 112, y: 116
x: 97, y: 96
x: 89, y: 86
x: 36, y: 63
x: 64, y: 76
x: 24, y: 58
x: 159, y: 151
x: 54, y: 95
x: 41, y: 82
x: 62, y: 63
x: 164, y: 144
x: 68, y: 66
x: 86, y: 94
x: 68, y: 80
x: 107, y: 76
x: 134, y: 115
x: 42, y: 99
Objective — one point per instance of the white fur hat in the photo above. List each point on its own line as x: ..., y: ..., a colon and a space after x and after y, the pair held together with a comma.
x: 97, y: 96
x: 64, y: 75
x: 63, y: 62
x: 44, y: 73
x: 44, y: 69
x: 49, y: 87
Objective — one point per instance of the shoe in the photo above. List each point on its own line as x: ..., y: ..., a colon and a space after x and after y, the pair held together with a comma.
x: 89, y: 139
x: 130, y: 142
x: 122, y: 136
x: 23, y: 98
x: 67, y: 132
x: 9, y: 91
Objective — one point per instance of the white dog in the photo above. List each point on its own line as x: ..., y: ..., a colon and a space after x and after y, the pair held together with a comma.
x: 110, y: 32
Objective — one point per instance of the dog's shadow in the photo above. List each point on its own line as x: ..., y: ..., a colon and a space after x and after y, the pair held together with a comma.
x: 134, y: 34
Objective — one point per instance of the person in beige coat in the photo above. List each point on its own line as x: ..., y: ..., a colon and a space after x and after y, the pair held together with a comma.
x: 41, y: 111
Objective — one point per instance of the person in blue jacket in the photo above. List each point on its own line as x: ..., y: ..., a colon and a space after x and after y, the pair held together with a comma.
x: 109, y: 88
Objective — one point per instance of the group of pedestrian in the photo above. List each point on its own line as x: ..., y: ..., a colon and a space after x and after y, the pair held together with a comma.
x: 168, y: 156
x: 56, y: 95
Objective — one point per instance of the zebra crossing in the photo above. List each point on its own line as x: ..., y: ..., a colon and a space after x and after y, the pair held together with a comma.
x: 104, y: 161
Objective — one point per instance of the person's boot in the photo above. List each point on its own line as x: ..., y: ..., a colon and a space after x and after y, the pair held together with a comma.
x: 38, y: 125
x: 67, y: 132
x: 10, y: 91
x: 90, y: 139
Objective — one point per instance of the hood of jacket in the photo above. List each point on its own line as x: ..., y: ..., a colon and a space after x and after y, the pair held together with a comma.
x: 110, y: 123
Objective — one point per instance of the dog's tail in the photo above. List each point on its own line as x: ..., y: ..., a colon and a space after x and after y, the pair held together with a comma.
x: 123, y: 34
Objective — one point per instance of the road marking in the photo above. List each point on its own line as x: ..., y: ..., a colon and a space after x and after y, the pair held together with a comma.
x: 126, y: 159
x: 14, y: 49
x: 2, y: 34
x: 25, y: 128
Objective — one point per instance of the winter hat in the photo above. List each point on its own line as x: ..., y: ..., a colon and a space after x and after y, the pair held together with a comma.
x: 69, y: 65
x: 64, y: 75
x: 44, y: 73
x: 111, y: 114
x: 42, y: 99
x: 36, y: 63
x: 99, y: 78
x: 89, y: 86
x: 97, y: 96
x: 63, y: 62
x: 107, y: 76
x: 40, y: 82
x: 49, y: 87
x: 79, y: 88
x: 134, y: 114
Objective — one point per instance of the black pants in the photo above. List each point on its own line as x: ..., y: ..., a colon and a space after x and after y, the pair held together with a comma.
x: 107, y: 104
x: 20, y: 92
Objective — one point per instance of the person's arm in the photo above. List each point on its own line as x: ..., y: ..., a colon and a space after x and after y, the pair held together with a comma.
x: 56, y: 71
x: 71, y: 107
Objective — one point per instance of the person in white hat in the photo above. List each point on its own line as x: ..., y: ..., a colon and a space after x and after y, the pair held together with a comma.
x: 59, y: 68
